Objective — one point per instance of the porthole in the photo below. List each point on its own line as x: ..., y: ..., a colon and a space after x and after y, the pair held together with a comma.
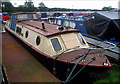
x: 38, y: 40
x: 26, y: 34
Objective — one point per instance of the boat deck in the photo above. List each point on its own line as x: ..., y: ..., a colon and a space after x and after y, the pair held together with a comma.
x: 19, y: 65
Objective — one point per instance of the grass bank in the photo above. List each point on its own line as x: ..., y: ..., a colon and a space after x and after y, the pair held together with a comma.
x: 112, y: 78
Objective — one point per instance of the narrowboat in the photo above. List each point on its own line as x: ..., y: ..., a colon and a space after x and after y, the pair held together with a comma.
x: 64, y: 49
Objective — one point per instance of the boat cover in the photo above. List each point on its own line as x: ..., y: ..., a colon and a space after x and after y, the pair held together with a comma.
x: 104, y: 25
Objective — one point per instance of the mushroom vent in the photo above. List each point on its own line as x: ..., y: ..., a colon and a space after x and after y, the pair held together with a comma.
x: 60, y: 28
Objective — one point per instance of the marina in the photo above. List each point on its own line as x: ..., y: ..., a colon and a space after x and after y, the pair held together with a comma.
x: 63, y: 58
x: 66, y: 44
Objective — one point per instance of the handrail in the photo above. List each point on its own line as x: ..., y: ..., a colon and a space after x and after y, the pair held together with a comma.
x: 66, y: 50
x: 114, y: 46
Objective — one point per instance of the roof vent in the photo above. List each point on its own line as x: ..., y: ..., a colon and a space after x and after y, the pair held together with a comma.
x: 67, y: 27
x: 61, y: 28
x: 43, y: 26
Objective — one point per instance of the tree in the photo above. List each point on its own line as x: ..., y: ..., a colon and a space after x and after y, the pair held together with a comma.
x: 21, y: 8
x: 7, y: 7
x: 108, y: 8
x: 42, y: 7
x: 42, y: 4
x: 29, y: 6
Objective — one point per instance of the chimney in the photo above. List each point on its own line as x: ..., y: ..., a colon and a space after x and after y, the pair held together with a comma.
x: 43, y: 26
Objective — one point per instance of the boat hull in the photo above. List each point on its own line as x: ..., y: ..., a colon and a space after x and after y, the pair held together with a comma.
x: 59, y: 68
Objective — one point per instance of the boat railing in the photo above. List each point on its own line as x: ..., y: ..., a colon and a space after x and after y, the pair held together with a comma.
x: 90, y: 48
x: 107, y: 48
x: 66, y: 50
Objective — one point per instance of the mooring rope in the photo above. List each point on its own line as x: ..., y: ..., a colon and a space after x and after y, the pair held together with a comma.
x: 69, y: 79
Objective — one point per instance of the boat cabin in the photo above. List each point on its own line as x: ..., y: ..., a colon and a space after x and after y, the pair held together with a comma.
x: 48, y: 38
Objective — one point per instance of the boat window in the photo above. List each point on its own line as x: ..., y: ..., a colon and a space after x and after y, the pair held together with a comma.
x: 18, y: 30
x: 66, y: 23
x: 72, y: 24
x: 26, y: 34
x: 56, y: 45
x: 82, y: 42
x: 38, y: 40
x: 9, y: 24
x: 59, y: 22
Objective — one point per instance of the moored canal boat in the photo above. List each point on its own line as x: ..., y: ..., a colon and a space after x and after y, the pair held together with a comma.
x: 64, y: 49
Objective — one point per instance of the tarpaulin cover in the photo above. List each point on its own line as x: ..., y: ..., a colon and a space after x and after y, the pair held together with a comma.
x: 105, y: 25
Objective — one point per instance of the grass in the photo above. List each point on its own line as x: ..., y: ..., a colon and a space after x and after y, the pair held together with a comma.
x: 112, y: 78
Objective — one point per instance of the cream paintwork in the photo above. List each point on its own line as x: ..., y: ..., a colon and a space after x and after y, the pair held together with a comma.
x: 45, y: 45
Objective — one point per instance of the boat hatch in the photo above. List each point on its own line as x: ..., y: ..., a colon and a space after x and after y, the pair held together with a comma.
x: 56, y: 45
x: 72, y: 40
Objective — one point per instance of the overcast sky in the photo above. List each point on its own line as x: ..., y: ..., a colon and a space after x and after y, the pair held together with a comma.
x: 75, y: 4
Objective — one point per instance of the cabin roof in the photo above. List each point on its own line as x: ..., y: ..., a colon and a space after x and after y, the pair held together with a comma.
x: 50, y: 29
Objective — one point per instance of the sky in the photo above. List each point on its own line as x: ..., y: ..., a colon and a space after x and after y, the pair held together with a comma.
x: 72, y: 4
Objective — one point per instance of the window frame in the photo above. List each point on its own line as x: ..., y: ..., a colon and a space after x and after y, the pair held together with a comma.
x: 59, y: 43
x: 69, y: 23
x: 59, y: 22
x: 18, y: 31
x: 82, y: 39
x: 37, y: 40
x: 26, y: 36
